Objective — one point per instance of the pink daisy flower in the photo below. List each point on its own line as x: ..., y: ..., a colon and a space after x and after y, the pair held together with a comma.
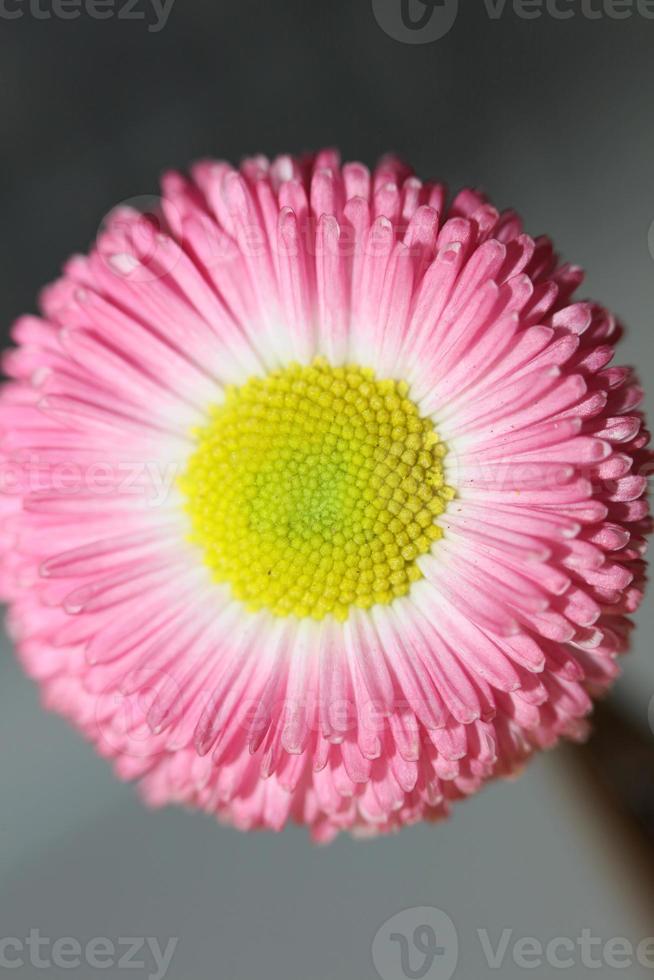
x: 322, y: 500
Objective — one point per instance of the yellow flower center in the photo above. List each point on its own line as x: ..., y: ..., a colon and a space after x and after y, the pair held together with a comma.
x: 315, y: 489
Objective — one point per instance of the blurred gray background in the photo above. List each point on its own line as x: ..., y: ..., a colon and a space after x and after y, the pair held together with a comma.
x: 551, y: 116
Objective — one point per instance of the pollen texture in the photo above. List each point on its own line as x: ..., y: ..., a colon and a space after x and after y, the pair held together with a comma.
x: 315, y: 489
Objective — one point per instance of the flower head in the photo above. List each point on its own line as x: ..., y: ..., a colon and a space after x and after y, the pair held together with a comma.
x: 322, y: 500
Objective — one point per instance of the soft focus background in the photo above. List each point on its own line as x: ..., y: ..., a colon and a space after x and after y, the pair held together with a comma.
x: 549, y: 115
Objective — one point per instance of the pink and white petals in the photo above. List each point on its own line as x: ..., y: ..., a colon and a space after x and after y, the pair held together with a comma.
x: 523, y: 605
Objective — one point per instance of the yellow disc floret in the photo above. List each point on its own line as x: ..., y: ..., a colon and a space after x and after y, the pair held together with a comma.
x: 315, y: 489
